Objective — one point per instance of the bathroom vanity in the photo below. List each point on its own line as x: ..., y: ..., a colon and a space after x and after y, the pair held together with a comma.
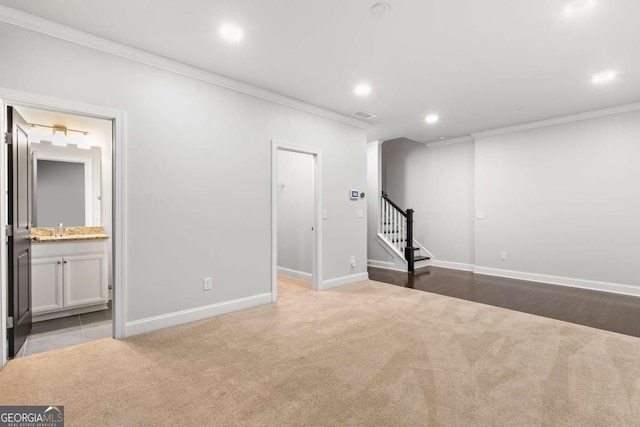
x: 69, y: 271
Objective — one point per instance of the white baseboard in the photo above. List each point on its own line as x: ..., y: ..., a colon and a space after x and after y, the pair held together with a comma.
x: 383, y: 264
x: 452, y: 265
x: 344, y: 280
x: 295, y: 273
x: 185, y: 316
x: 615, y: 288
x: 422, y: 264
x: 68, y: 312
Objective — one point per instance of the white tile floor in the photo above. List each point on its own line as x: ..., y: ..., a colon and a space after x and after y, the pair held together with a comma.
x: 67, y: 331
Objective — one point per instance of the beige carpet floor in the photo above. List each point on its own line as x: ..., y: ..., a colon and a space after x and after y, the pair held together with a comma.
x: 367, y: 354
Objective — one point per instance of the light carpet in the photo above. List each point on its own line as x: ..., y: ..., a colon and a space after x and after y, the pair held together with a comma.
x: 367, y: 354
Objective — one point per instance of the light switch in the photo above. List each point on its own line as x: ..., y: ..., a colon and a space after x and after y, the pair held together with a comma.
x: 360, y: 213
x: 325, y: 214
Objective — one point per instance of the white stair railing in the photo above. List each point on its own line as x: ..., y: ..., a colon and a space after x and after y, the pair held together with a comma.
x: 393, y: 225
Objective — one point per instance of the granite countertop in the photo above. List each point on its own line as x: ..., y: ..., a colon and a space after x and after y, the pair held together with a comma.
x: 71, y: 234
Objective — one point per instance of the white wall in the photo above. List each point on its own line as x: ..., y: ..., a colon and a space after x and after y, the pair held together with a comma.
x: 198, y: 172
x: 438, y: 184
x: 375, y: 251
x: 562, y: 200
x: 296, y: 214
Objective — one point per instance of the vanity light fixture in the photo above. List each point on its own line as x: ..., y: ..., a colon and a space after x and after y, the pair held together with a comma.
x: 60, y: 135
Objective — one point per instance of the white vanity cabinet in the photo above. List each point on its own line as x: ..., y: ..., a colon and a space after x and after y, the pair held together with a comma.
x: 46, y: 283
x: 68, y: 278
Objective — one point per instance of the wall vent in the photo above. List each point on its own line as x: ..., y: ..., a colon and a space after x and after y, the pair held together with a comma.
x: 364, y: 115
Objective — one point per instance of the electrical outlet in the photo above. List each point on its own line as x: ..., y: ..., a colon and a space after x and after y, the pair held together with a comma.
x: 503, y: 255
x: 353, y: 262
x: 207, y: 284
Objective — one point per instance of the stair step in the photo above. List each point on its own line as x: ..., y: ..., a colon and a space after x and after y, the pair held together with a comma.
x: 421, y: 258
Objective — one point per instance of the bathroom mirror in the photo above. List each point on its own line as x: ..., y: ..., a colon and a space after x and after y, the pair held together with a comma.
x: 66, y: 186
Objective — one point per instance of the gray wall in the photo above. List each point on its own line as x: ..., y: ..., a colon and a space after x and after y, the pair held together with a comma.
x: 374, y: 189
x: 198, y: 172
x: 561, y: 200
x: 295, y: 211
x: 60, y: 194
x: 438, y: 184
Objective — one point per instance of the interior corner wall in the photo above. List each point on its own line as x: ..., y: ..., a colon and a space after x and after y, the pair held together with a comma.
x: 296, y: 215
x: 438, y: 184
x: 562, y: 200
x: 198, y: 173
x: 375, y: 252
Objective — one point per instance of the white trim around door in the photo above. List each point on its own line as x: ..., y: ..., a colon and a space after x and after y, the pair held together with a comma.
x: 317, y: 246
x: 119, y: 120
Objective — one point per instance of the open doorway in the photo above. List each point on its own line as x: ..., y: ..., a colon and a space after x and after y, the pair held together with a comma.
x: 59, y: 245
x: 296, y: 218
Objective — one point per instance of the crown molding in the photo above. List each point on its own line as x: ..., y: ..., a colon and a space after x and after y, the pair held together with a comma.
x: 627, y: 108
x: 64, y: 32
x: 450, y: 141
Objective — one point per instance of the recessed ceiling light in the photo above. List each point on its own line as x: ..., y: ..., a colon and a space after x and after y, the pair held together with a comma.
x: 441, y: 137
x: 231, y: 33
x: 577, y: 7
x: 604, y: 77
x: 362, y: 89
x: 380, y: 8
x: 432, y: 119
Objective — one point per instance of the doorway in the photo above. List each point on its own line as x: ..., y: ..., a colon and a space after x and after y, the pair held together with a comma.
x: 296, y: 214
x: 74, y: 176
x: 70, y: 196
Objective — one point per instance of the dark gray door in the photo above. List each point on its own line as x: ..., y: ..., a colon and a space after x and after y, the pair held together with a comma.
x: 19, y: 231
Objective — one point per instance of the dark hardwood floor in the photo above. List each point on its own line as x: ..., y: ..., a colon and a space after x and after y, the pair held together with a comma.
x: 602, y: 310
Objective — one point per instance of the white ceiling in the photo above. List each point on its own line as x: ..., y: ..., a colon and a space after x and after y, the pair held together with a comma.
x: 479, y: 64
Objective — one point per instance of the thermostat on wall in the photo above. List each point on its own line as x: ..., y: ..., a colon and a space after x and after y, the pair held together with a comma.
x: 355, y: 194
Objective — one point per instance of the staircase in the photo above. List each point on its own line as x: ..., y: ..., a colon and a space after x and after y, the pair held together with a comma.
x: 396, y: 231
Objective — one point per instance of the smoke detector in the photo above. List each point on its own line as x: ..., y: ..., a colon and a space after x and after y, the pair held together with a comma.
x: 380, y: 9
x: 364, y: 115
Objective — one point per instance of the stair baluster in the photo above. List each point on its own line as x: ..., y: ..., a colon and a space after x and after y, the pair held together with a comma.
x: 397, y: 228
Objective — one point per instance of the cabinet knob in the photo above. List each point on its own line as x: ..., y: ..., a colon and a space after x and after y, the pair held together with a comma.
x: 59, y: 262
x: 65, y: 261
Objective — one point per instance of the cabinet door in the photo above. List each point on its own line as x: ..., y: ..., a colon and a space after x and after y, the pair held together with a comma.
x: 46, y: 283
x: 85, y: 280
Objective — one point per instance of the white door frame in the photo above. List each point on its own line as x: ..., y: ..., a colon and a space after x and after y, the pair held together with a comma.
x: 119, y: 120
x: 317, y: 246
